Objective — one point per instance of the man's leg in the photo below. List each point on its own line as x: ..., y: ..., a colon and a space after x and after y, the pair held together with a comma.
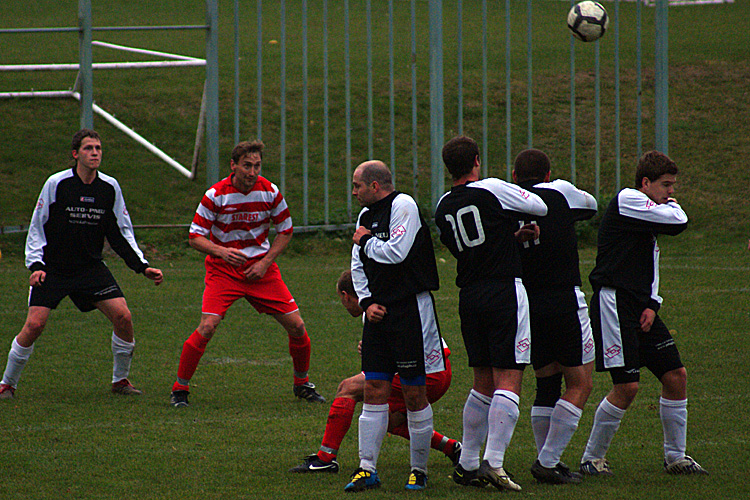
x: 420, y: 422
x: 21, y: 349
x: 548, y: 391
x: 192, y: 352
x: 673, y: 412
x: 299, y: 349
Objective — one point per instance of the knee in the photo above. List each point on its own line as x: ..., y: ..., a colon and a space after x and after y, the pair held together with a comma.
x: 123, y: 320
x: 675, y: 380
x: 296, y: 329
x: 351, y: 389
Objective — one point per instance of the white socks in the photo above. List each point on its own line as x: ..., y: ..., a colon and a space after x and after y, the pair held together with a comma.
x: 563, y: 424
x: 674, y: 423
x: 373, y: 425
x: 122, y: 352
x: 540, y: 417
x: 420, y: 436
x: 476, y: 409
x: 17, y: 358
x: 502, y: 420
x: 606, y: 422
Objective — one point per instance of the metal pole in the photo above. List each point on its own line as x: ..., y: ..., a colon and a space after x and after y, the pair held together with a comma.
x: 597, y: 120
x: 305, y: 120
x: 326, y: 194
x: 508, y: 143
x: 639, y: 81
x: 529, y: 80
x: 370, y: 148
x: 212, y: 92
x: 662, y: 76
x: 282, y: 105
x: 259, y: 73
x: 236, y: 71
x: 617, y: 96
x: 414, y: 123
x: 437, y: 133
x: 348, y: 111
x: 85, y: 61
x: 391, y: 91
x: 460, y: 66
x: 572, y: 106
x: 485, y: 93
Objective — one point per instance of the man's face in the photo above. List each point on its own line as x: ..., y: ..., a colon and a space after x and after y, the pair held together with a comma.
x: 246, y: 171
x: 350, y: 303
x: 89, y: 154
x: 365, y: 193
x: 660, y: 190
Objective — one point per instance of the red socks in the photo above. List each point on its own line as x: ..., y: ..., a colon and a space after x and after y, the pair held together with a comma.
x: 339, y: 420
x: 299, y: 349
x: 192, y: 351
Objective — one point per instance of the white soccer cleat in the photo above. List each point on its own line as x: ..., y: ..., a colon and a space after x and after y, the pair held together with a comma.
x: 497, y: 477
x: 685, y: 465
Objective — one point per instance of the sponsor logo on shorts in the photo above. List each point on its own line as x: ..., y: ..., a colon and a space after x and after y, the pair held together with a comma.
x: 588, y: 346
x: 523, y: 345
x: 433, y: 356
x: 613, y: 351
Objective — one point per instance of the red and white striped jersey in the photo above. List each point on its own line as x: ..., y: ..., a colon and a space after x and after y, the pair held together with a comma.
x: 239, y: 220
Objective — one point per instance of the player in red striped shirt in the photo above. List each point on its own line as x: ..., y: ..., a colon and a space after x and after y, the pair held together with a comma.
x: 231, y: 227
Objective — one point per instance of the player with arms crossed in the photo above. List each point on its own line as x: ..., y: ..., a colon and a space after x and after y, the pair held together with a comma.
x: 231, y: 226
x: 628, y: 331
x: 393, y: 270
x: 478, y: 221
x: 351, y: 391
x: 561, y: 338
x: 77, y: 209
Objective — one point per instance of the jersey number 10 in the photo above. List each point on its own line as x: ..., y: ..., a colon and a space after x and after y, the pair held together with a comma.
x: 459, y: 229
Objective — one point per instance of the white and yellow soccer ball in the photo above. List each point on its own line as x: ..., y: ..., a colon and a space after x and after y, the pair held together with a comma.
x: 588, y: 21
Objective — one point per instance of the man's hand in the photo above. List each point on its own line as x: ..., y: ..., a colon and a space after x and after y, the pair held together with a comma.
x: 375, y: 313
x: 361, y: 231
x: 233, y: 256
x: 647, y: 319
x: 37, y: 278
x: 359, y: 348
x: 154, y: 275
x: 257, y: 270
x: 527, y: 232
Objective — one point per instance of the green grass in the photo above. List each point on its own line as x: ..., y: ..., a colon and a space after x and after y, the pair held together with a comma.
x: 65, y: 436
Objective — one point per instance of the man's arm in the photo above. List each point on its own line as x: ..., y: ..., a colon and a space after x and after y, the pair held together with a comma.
x: 258, y: 269
x: 231, y: 256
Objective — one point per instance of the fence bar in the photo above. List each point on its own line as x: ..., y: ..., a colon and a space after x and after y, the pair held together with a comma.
x: 485, y: 93
x: 529, y: 80
x: 617, y: 96
x: 85, y: 61
x: 259, y: 72
x: 508, y: 142
x: 391, y: 92
x: 662, y: 77
x: 437, y: 130
x: 282, y: 105
x: 102, y: 28
x: 639, y: 80
x: 572, y: 105
x: 110, y: 65
x: 36, y: 93
x: 370, y: 126
x: 414, y: 122
x: 326, y: 159
x: 348, y: 111
x: 212, y: 93
x: 597, y: 121
x: 236, y: 71
x: 460, y: 65
x: 305, y: 122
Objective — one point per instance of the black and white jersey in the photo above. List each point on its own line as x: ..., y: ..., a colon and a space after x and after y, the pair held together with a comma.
x: 477, y: 222
x: 71, y: 220
x: 551, y: 261
x: 397, y: 260
x: 627, y: 252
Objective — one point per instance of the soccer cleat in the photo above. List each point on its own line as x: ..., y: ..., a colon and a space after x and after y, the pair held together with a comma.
x: 596, y: 467
x: 497, y: 477
x: 7, y: 391
x: 179, y: 399
x: 307, y: 392
x: 125, y: 388
x: 685, y: 465
x: 559, y: 474
x: 362, y: 480
x: 455, y: 454
x: 313, y: 463
x: 417, y: 480
x: 467, y: 477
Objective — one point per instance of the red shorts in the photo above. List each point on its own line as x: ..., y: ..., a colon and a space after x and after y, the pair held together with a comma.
x: 226, y: 284
x: 437, y: 385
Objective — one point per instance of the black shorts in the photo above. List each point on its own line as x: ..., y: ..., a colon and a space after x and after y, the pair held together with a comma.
x: 85, y: 288
x: 622, y: 348
x: 562, y: 336
x: 495, y: 324
x: 407, y: 341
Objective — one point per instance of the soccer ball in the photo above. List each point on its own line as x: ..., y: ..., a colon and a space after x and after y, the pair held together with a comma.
x: 588, y: 21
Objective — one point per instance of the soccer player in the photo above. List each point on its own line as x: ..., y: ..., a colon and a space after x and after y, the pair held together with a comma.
x: 77, y: 209
x: 561, y: 338
x: 231, y: 226
x: 628, y: 331
x: 393, y: 269
x: 478, y: 221
x: 351, y: 391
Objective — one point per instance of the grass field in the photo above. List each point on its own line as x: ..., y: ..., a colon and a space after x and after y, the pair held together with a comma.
x: 65, y: 436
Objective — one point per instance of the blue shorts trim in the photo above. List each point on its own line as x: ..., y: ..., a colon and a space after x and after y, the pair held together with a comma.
x: 414, y: 381
x: 379, y: 376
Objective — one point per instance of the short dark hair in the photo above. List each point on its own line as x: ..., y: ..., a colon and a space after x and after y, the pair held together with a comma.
x: 652, y: 165
x: 345, y: 283
x: 376, y: 171
x: 531, y: 164
x: 459, y: 154
x: 245, y: 148
x: 78, y: 137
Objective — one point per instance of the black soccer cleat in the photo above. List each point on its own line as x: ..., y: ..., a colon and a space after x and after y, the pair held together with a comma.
x: 313, y: 463
x: 467, y: 477
x: 455, y: 454
x: 417, y: 480
x: 179, y: 399
x: 307, y: 392
x: 560, y: 474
